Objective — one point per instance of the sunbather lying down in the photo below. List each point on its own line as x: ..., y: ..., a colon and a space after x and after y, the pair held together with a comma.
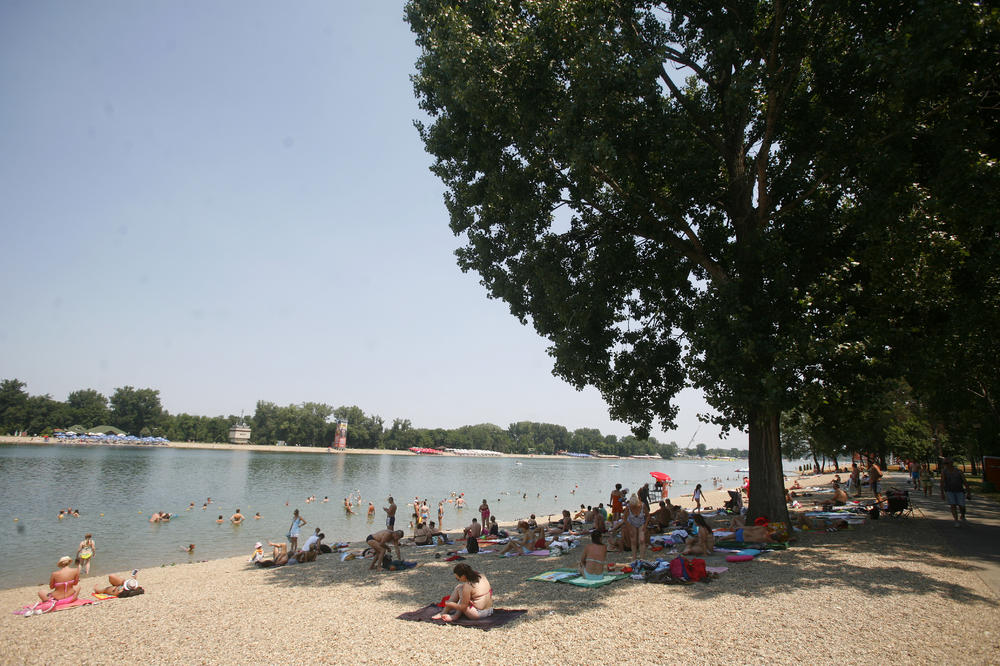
x: 118, y: 586
x: 754, y: 534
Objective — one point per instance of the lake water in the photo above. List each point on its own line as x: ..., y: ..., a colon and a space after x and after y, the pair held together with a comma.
x: 116, y: 489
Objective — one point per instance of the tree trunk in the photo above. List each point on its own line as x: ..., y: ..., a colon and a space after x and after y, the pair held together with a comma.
x: 816, y: 467
x: 767, y: 482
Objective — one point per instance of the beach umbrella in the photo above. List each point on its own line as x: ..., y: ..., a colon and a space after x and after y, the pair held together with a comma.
x: 660, y: 476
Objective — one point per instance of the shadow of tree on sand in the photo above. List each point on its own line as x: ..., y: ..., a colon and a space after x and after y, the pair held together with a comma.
x: 882, y: 560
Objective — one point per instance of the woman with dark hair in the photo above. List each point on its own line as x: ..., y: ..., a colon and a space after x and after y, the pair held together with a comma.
x: 472, y: 597
x: 697, y: 496
x: 594, y: 558
x: 703, y: 543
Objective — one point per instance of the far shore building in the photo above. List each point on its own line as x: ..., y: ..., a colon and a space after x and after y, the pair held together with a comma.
x: 239, y: 433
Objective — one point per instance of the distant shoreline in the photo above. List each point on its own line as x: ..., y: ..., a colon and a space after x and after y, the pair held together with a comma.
x: 218, y: 446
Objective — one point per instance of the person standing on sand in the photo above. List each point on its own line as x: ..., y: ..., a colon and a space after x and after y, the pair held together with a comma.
x: 390, y: 515
x: 441, y: 514
x: 954, y: 489
x: 697, y: 496
x: 854, y: 483
x: 874, y: 476
x: 293, y: 532
x: 617, y: 502
x: 85, y: 553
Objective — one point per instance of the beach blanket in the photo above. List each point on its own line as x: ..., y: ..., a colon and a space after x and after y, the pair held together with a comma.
x: 500, y: 617
x: 573, y: 577
x: 46, y: 606
x: 100, y: 596
x: 556, y: 575
x: 607, y: 579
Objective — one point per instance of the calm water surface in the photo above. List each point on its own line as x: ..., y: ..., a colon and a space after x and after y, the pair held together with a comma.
x: 116, y: 490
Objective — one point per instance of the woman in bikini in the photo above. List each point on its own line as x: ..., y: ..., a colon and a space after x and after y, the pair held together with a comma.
x: 594, y: 559
x: 634, y: 528
x: 86, y: 552
x: 64, y: 583
x: 472, y: 597
x: 524, y: 545
x: 118, y: 584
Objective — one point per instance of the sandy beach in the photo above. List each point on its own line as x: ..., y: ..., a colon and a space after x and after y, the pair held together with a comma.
x: 889, y: 590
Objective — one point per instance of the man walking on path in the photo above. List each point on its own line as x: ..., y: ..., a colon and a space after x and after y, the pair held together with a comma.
x: 954, y: 489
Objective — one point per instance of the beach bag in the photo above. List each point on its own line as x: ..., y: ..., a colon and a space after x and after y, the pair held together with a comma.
x: 472, y: 545
x: 696, y: 569
x: 678, y: 568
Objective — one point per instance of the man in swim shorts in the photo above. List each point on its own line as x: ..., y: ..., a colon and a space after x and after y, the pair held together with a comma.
x: 390, y: 514
x: 236, y: 518
x: 380, y: 542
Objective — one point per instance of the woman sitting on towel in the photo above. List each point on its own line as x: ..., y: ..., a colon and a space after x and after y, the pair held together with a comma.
x: 521, y: 546
x: 594, y: 558
x: 702, y: 543
x: 64, y: 583
x: 565, y: 524
x: 472, y: 597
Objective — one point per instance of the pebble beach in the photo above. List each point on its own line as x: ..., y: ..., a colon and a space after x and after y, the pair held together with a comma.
x: 888, y: 590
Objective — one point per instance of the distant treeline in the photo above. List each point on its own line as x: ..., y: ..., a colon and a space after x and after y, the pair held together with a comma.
x: 139, y: 412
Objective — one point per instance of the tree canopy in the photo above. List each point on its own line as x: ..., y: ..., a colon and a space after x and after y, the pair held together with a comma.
x: 689, y: 192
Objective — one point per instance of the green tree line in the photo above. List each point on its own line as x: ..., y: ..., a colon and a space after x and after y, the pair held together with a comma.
x: 140, y: 412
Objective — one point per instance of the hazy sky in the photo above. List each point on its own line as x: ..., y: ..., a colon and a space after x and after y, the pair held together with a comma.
x: 228, y: 202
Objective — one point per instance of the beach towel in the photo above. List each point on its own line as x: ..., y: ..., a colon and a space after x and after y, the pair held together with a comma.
x: 607, y: 579
x: 556, y: 575
x: 500, y: 617
x: 573, y: 577
x: 47, y: 606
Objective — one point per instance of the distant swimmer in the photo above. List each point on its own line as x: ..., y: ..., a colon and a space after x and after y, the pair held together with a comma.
x: 219, y: 520
x: 371, y: 510
x: 189, y: 549
x: 325, y: 499
x: 236, y: 518
x: 347, y: 506
x: 256, y: 516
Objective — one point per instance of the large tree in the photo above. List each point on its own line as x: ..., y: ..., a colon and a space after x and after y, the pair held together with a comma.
x: 88, y: 408
x: 667, y: 190
x: 134, y: 409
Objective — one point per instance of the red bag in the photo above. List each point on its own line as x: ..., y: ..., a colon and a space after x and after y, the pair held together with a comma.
x: 684, y: 569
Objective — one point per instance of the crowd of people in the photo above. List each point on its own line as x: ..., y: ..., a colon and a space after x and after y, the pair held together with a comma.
x: 625, y: 525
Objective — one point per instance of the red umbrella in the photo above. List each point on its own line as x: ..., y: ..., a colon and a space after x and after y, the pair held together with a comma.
x: 660, y: 476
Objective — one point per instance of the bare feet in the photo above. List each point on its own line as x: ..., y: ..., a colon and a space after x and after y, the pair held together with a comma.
x: 447, y: 618
x: 437, y: 617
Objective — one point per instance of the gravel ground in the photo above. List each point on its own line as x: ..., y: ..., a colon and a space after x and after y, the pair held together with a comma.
x: 887, y: 591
